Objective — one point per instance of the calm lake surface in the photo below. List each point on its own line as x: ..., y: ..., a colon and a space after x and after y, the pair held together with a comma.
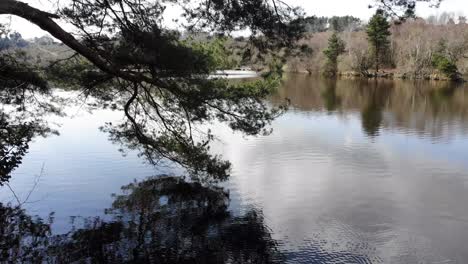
x: 357, y: 171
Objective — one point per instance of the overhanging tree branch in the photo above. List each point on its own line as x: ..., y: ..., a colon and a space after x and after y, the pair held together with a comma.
x: 45, y: 21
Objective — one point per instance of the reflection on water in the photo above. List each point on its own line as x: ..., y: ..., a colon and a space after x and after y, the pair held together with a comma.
x: 433, y: 109
x: 21, y: 120
x: 357, y: 171
x: 159, y: 220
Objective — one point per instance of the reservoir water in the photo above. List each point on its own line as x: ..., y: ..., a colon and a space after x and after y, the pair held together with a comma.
x: 356, y: 171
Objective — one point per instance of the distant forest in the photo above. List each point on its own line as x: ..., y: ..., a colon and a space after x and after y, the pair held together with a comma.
x: 413, y: 48
x: 417, y: 48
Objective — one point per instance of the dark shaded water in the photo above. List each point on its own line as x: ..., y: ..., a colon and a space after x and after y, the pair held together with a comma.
x: 357, y: 171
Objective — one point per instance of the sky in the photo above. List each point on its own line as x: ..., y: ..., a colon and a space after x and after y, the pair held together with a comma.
x: 357, y: 8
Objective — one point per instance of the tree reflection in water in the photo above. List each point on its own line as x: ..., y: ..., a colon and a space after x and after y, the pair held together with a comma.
x: 423, y: 108
x: 159, y: 220
x: 15, y: 136
x: 372, y: 112
x: 331, y: 100
x: 21, y: 119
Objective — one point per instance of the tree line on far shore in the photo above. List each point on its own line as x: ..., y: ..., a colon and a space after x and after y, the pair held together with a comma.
x: 432, y: 48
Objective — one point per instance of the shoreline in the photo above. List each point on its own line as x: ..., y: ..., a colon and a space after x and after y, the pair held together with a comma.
x: 390, y: 75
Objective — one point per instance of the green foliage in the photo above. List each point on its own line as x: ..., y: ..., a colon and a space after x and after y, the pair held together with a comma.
x: 201, y: 101
x: 76, y: 73
x: 445, y: 65
x: 279, y: 25
x: 335, y: 48
x: 16, y: 132
x: 215, y: 53
x: 16, y: 70
x: 442, y: 61
x: 378, y: 33
x: 14, y: 139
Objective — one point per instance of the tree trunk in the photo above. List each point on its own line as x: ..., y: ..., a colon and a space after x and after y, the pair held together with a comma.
x: 377, y: 61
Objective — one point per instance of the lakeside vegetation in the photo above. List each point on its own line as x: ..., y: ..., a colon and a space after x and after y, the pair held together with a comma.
x: 432, y: 48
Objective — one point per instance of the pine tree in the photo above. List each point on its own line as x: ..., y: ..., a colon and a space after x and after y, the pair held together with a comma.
x: 378, y: 33
x: 335, y: 48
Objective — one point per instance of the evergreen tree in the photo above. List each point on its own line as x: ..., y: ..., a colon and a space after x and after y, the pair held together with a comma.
x: 378, y: 33
x: 335, y: 48
x: 442, y: 61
